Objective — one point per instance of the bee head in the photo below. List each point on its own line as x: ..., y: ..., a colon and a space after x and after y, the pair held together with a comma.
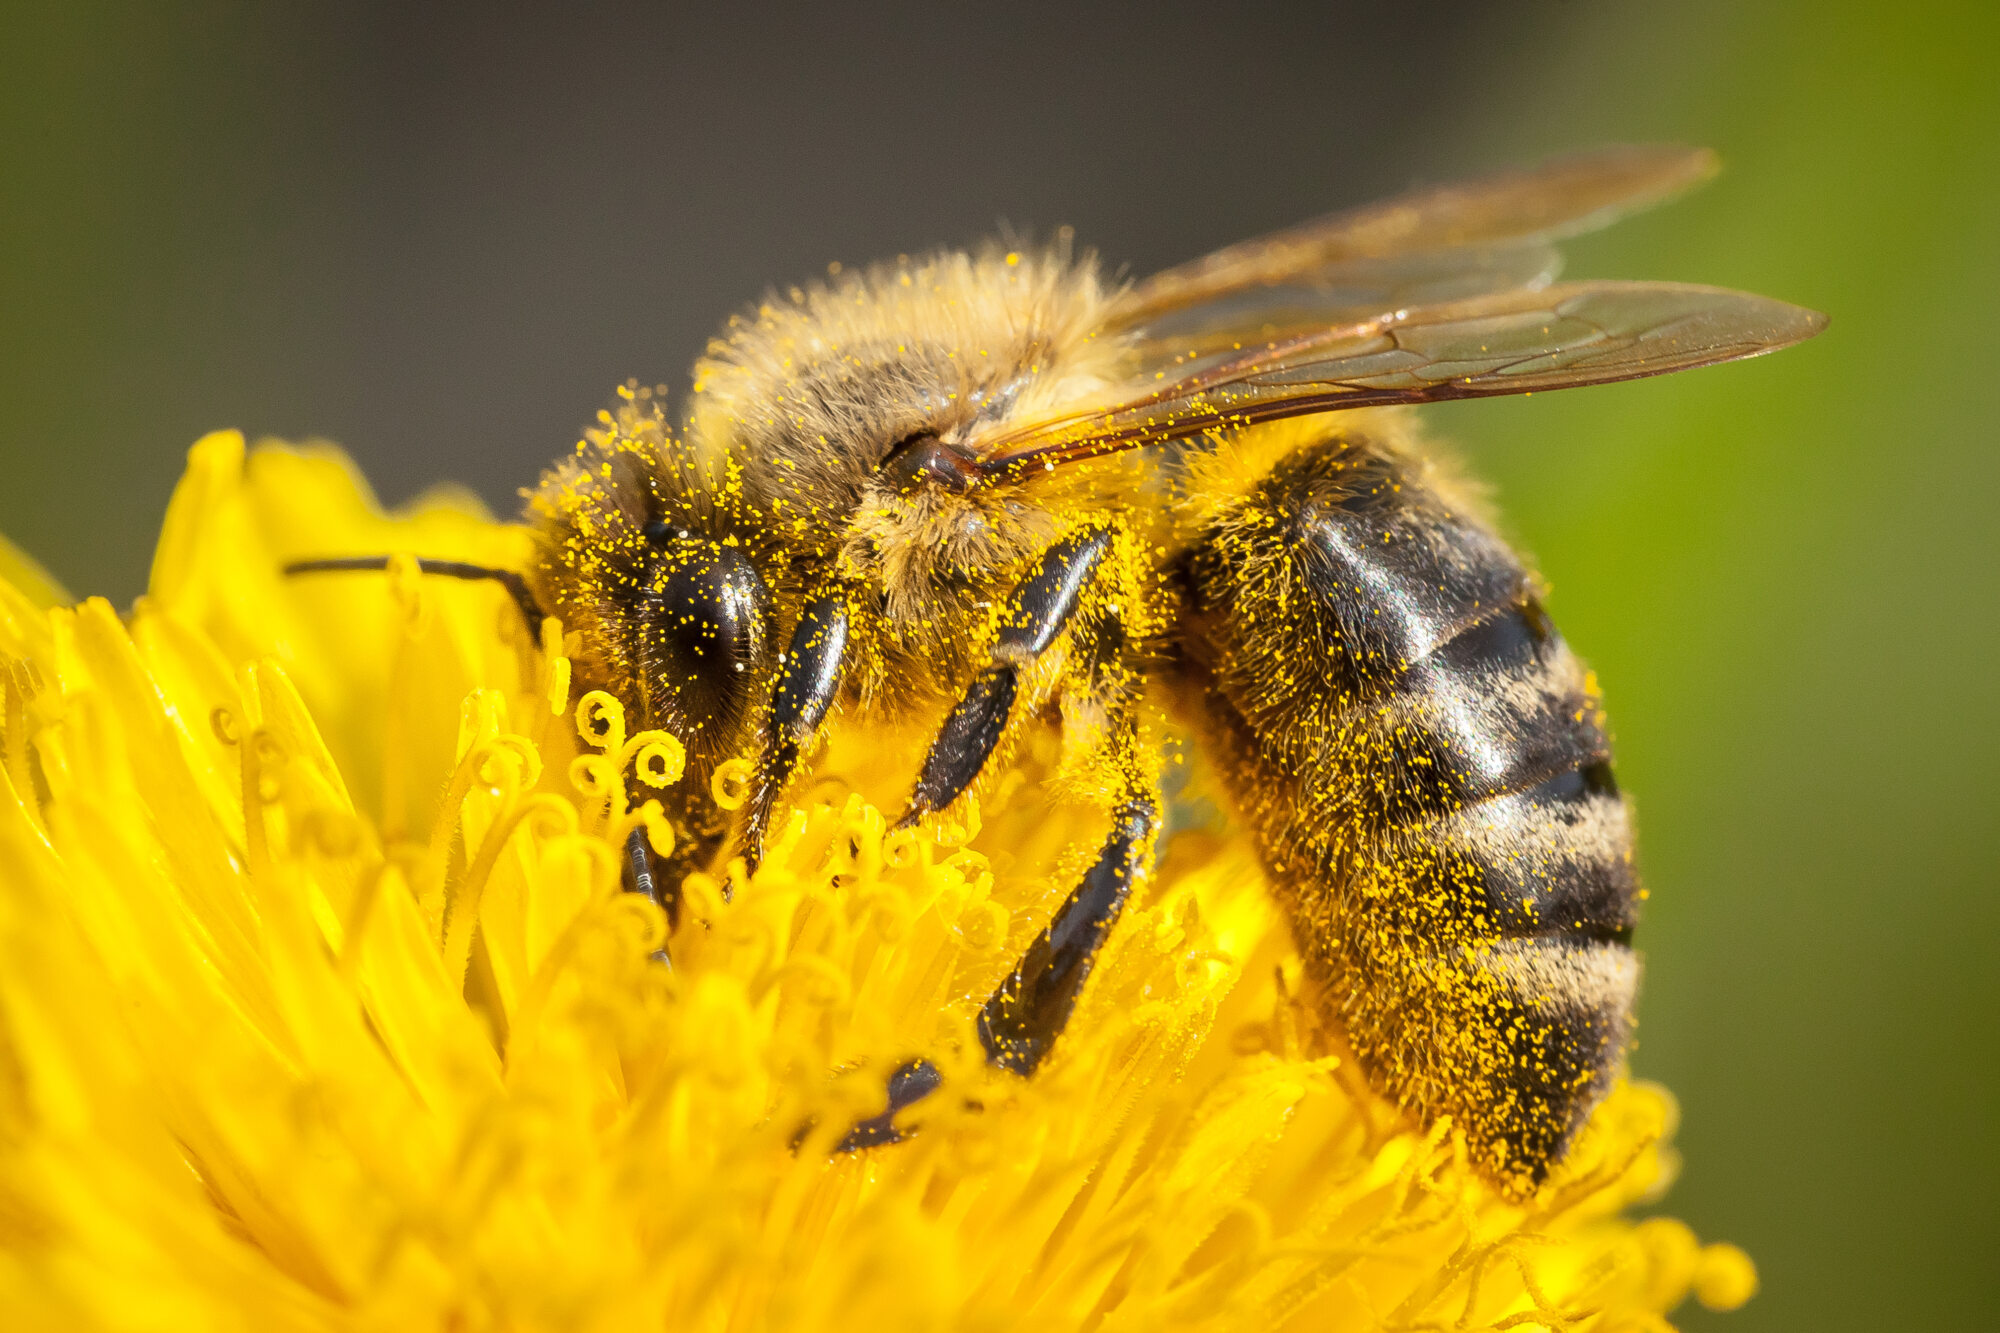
x: 654, y: 579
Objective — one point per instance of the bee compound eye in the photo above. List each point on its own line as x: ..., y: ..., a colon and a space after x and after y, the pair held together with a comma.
x: 704, y: 631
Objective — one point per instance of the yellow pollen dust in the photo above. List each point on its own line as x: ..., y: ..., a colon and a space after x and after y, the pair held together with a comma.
x: 322, y: 1007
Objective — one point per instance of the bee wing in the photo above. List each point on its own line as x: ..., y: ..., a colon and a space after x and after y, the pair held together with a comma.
x: 1343, y: 294
x: 1521, y: 341
x: 1501, y: 225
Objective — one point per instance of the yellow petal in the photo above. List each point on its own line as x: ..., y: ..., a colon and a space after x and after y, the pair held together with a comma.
x: 321, y: 1008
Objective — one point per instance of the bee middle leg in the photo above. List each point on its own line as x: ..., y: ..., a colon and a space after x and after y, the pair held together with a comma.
x: 1036, y: 615
x: 1021, y: 1021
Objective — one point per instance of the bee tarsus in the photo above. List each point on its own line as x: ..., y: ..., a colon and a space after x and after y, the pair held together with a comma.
x: 910, y: 1083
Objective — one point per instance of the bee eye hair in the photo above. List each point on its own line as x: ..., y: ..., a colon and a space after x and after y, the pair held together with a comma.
x: 660, y: 533
x: 923, y: 459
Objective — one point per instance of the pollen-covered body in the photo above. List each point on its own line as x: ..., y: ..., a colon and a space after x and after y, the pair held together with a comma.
x: 975, y: 494
x: 795, y: 408
x: 1352, y: 744
x: 1423, y: 763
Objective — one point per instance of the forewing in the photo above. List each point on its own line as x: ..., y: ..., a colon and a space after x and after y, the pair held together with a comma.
x: 1559, y: 337
x: 1343, y: 294
x: 1514, y: 214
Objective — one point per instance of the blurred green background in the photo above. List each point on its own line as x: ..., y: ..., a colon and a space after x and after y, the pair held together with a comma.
x: 440, y: 234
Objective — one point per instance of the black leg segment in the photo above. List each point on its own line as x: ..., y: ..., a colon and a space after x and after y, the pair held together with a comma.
x: 1036, y: 613
x: 806, y: 688
x: 963, y: 744
x: 1026, y: 1015
x: 642, y: 877
x: 1047, y: 598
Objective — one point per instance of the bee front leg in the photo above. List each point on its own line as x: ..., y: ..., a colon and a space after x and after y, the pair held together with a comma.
x: 814, y: 664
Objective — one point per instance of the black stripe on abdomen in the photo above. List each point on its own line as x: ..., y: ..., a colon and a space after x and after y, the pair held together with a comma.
x: 1395, y: 579
x: 1555, y: 860
x: 1501, y: 707
x: 1508, y: 775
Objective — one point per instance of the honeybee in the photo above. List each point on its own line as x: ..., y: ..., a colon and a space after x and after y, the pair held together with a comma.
x: 985, y: 490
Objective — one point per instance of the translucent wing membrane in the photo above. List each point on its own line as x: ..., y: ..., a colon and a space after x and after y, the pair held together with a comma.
x: 1344, y: 294
x: 1521, y: 341
x: 1511, y: 216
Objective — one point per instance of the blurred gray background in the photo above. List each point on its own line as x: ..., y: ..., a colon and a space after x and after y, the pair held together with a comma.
x: 441, y: 234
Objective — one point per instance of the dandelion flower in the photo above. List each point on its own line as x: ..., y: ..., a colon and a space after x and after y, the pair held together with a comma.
x: 321, y: 1008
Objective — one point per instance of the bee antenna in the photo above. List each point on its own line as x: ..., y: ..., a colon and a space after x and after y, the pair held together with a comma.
x: 510, y: 579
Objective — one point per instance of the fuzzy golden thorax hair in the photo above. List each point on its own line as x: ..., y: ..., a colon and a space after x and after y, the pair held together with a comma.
x: 798, y: 403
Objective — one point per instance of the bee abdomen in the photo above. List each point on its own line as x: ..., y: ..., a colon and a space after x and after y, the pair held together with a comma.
x: 1501, y: 708
x: 1426, y: 767
x: 1554, y: 861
